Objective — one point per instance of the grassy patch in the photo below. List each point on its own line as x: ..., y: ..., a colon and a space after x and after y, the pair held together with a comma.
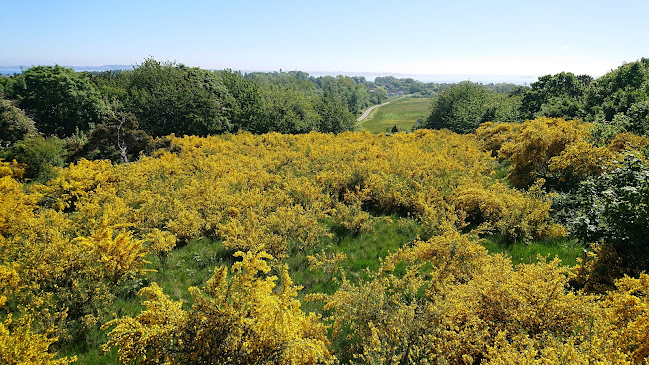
x: 193, y: 264
x: 568, y: 250
x: 403, y: 113
x: 363, y: 250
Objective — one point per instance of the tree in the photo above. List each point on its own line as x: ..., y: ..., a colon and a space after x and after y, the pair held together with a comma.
x: 463, y: 107
x: 379, y: 95
x: 172, y: 98
x: 348, y: 90
x: 288, y: 110
x: 14, y: 124
x: 556, y: 96
x: 246, y: 112
x: 334, y: 116
x: 118, y: 139
x: 622, y: 97
x: 59, y: 99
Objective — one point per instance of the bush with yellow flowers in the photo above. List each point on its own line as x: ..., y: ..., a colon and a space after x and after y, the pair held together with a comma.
x: 535, y: 142
x: 68, y: 246
x: 241, y: 318
x: 454, y: 303
x: 560, y: 151
x: 19, y: 344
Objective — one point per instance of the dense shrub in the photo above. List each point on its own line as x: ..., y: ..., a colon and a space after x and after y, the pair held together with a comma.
x: 59, y: 99
x: 614, y: 210
x: 41, y: 156
x: 621, y: 97
x: 535, y: 143
x: 238, y: 318
x: 463, y: 107
x: 14, y: 125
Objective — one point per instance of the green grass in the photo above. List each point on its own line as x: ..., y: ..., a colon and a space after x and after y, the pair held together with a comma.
x: 193, y: 264
x: 567, y: 250
x: 189, y: 265
x: 363, y: 250
x: 403, y: 113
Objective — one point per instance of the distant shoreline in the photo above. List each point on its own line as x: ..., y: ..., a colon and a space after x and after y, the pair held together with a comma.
x: 370, y: 76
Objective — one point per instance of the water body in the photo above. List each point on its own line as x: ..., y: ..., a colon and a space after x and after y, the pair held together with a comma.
x: 11, y: 70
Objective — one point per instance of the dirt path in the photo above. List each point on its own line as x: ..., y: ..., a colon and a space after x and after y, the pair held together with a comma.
x: 369, y: 110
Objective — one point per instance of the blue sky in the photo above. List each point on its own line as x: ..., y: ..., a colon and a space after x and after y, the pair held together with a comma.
x: 408, y: 36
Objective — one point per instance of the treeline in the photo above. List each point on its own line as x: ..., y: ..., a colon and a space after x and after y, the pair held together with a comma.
x: 52, y: 115
x: 586, y: 140
x: 615, y: 102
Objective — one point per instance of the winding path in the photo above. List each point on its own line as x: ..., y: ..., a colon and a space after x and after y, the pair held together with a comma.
x: 369, y: 110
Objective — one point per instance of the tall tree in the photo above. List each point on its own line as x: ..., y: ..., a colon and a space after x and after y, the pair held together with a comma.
x: 379, y: 95
x: 556, y: 96
x: 59, y: 99
x: 464, y: 106
x: 172, y: 98
x: 334, y: 115
x: 247, y: 110
x: 622, y: 97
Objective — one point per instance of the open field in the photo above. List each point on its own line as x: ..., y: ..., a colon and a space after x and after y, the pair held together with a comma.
x: 402, y: 113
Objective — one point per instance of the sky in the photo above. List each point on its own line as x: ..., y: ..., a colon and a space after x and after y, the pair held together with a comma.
x: 407, y: 36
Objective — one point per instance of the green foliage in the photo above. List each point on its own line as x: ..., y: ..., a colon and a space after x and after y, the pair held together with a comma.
x: 246, y: 111
x: 621, y: 97
x: 118, y: 139
x: 395, y: 86
x: 172, y: 98
x: 59, y: 99
x: 14, y: 124
x: 614, y: 209
x: 333, y: 115
x: 379, y: 95
x: 556, y: 96
x: 41, y: 155
x: 350, y: 92
x: 289, y: 110
x: 463, y: 107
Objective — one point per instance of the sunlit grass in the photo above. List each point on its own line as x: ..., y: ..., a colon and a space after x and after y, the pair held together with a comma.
x: 403, y: 113
x: 193, y: 264
x: 567, y: 250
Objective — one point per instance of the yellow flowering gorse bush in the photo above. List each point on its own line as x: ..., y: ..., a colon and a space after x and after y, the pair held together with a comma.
x: 242, y: 318
x: 65, y: 247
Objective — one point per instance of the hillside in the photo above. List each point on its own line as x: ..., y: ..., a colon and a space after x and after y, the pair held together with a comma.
x: 159, y: 216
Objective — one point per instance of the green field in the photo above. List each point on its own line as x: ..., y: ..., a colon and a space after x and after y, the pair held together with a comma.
x: 403, y: 113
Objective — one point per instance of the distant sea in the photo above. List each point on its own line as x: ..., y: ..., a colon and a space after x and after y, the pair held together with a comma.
x: 10, y: 70
x: 440, y: 79
x: 370, y: 76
